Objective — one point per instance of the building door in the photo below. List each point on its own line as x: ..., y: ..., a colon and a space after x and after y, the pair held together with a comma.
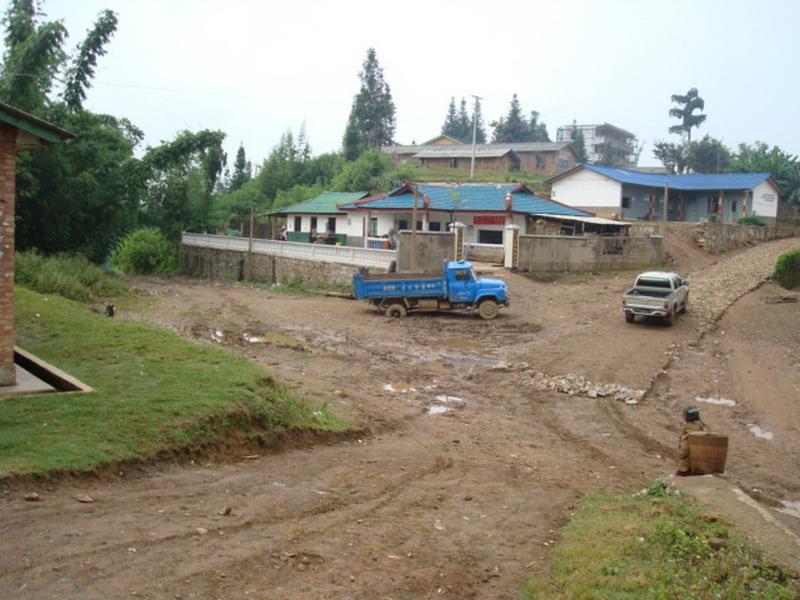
x: 331, y: 225
x: 490, y: 236
x: 298, y: 223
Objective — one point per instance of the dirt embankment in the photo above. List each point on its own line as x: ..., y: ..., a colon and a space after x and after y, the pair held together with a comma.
x: 463, y: 492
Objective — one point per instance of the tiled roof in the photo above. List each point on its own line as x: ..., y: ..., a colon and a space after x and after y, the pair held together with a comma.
x: 444, y: 148
x: 470, y: 198
x: 324, y: 204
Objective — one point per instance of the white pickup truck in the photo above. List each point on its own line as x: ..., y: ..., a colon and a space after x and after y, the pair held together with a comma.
x: 656, y: 294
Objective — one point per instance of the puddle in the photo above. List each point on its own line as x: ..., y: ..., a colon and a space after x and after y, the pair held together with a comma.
x: 438, y: 409
x: 401, y: 388
x: 273, y: 338
x: 718, y: 401
x: 760, y: 433
x: 790, y: 508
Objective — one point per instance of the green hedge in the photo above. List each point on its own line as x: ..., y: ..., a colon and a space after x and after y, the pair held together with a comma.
x: 787, y: 269
x: 752, y: 220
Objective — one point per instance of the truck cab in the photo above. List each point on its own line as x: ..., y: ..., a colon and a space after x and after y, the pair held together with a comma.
x: 465, y: 287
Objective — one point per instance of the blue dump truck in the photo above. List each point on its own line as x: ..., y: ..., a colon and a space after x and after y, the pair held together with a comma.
x: 457, y: 288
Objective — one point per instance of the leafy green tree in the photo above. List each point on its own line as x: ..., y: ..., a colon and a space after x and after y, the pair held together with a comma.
x: 515, y: 127
x: 372, y: 118
x: 81, y: 72
x: 688, y: 103
x: 32, y: 57
x: 760, y: 158
x: 672, y: 156
x: 365, y: 174
x: 242, y: 170
x: 707, y: 155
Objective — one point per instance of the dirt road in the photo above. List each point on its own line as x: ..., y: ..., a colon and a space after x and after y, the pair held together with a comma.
x: 459, y: 496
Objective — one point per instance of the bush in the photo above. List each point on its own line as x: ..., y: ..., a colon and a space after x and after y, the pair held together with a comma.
x: 73, y: 277
x: 145, y: 252
x: 787, y: 269
x: 752, y: 220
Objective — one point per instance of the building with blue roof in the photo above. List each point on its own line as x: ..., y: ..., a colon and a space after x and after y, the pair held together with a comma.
x: 485, y: 210
x: 634, y: 195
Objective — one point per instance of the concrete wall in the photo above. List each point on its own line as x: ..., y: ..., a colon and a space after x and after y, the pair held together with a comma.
x: 432, y: 249
x: 212, y: 263
x: 586, y: 189
x: 717, y: 237
x: 765, y: 200
x: 588, y: 253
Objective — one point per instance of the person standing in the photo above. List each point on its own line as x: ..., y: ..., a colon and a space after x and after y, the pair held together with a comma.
x: 692, y: 424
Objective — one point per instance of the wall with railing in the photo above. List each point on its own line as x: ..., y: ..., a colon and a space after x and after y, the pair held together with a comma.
x: 360, y: 257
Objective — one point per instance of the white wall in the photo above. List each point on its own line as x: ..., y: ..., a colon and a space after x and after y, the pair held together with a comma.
x: 586, y: 189
x: 765, y: 200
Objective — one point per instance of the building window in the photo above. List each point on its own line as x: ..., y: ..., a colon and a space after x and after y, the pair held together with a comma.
x: 331, y: 224
x: 419, y: 225
x: 626, y: 202
x: 435, y: 226
x: 490, y: 236
x: 298, y: 223
x: 733, y: 206
x: 373, y: 227
x: 402, y: 225
x: 313, y: 223
x: 453, y: 163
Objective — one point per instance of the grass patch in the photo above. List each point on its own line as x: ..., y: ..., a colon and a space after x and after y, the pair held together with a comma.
x: 154, y: 392
x: 655, y: 546
x: 73, y: 277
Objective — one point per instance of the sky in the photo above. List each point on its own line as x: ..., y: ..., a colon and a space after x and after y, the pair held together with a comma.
x: 253, y: 69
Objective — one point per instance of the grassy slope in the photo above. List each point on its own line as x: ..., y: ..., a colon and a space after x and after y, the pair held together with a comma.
x: 655, y: 546
x: 154, y: 391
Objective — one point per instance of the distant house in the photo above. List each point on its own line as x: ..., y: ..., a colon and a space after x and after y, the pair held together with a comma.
x: 445, y: 152
x: 319, y: 219
x: 630, y: 194
x: 603, y: 141
x: 485, y: 210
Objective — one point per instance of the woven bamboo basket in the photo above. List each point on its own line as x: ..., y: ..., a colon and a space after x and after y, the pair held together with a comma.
x: 707, y: 453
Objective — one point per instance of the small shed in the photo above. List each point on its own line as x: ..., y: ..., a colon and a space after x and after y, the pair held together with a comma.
x: 18, y: 131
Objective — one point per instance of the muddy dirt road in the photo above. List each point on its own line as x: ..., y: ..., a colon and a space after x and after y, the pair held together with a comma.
x: 467, y: 474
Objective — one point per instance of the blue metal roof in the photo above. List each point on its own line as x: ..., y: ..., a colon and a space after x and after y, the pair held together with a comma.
x: 471, y: 198
x: 693, y: 181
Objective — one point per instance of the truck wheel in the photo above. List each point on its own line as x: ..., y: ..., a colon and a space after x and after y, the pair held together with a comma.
x: 672, y: 317
x: 630, y: 317
x: 396, y: 311
x: 488, y: 309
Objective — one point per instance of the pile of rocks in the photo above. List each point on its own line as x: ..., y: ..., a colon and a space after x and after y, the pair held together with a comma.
x: 578, y: 385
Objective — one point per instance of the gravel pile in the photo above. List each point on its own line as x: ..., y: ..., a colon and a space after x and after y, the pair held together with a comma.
x: 578, y: 385
x: 715, y: 288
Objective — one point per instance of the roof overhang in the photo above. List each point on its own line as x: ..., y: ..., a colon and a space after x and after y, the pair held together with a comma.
x: 32, y: 132
x: 592, y: 220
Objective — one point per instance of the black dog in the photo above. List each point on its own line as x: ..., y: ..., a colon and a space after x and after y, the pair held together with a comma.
x: 110, y: 310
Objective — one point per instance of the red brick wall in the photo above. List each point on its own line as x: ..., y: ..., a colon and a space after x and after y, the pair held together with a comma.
x: 8, y: 169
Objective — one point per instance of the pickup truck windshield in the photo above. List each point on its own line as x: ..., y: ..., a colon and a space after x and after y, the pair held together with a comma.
x: 655, y: 283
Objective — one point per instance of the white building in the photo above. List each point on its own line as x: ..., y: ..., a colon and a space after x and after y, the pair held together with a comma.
x: 603, y: 141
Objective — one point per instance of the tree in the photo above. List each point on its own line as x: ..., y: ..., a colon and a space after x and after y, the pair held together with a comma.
x: 450, y: 126
x: 515, y: 127
x: 81, y: 72
x: 672, y: 156
x: 242, y: 170
x: 688, y: 103
x: 480, y: 131
x: 578, y: 142
x: 372, y: 117
x: 760, y: 158
x: 708, y: 155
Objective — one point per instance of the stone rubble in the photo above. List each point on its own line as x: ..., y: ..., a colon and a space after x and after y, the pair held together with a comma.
x: 578, y: 385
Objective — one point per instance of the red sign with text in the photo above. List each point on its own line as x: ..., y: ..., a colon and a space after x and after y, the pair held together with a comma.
x: 488, y: 220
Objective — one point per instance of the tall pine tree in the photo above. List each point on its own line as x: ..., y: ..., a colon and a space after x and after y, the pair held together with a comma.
x: 480, y: 131
x: 515, y: 127
x: 450, y: 126
x: 372, y: 118
x: 242, y: 170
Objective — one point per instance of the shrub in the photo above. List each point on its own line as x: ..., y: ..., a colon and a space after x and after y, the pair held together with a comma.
x: 752, y: 220
x: 145, y: 252
x: 73, y: 277
x: 787, y: 269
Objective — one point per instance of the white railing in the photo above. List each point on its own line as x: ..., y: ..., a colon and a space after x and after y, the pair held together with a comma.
x: 366, y: 257
x: 496, y: 247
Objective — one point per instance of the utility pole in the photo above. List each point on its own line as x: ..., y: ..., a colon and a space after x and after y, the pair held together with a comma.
x: 414, y: 233
x: 474, y: 135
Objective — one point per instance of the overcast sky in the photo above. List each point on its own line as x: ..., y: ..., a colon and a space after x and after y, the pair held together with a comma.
x: 253, y: 69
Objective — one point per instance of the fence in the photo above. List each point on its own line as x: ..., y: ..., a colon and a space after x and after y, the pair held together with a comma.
x: 367, y: 257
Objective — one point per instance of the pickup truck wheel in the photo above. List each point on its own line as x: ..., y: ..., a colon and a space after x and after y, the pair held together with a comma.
x: 672, y: 317
x: 396, y: 311
x: 630, y: 317
x: 488, y: 309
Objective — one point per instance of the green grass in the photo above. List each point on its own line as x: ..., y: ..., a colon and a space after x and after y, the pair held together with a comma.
x: 73, y: 277
x: 154, y: 391
x: 655, y: 546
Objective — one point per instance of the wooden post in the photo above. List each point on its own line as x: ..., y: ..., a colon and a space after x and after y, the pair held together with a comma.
x: 250, y: 244
x: 721, y: 206
x: 665, y: 210
x: 414, y: 233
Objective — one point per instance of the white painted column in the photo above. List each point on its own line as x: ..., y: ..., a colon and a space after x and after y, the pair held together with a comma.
x: 511, y: 246
x: 457, y: 229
